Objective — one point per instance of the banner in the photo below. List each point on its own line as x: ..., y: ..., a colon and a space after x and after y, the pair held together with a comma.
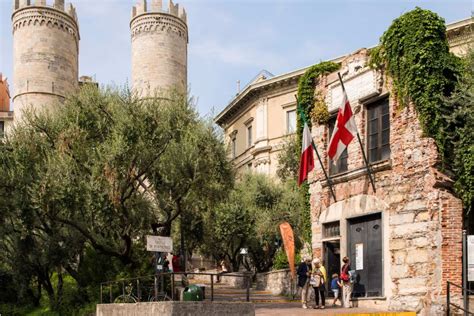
x: 289, y: 243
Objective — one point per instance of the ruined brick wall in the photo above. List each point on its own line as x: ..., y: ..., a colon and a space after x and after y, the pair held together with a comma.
x: 422, y: 218
x: 159, y: 47
x: 45, y: 53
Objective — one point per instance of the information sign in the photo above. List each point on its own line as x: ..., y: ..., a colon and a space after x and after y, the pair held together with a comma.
x: 159, y: 244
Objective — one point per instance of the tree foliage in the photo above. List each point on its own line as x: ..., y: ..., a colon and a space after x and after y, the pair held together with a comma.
x: 250, y: 218
x: 93, y: 178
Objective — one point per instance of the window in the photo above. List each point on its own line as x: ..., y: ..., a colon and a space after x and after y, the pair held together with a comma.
x: 378, y: 131
x: 339, y: 165
x: 2, y: 128
x: 249, y: 136
x: 291, y: 122
x: 233, y: 148
x: 331, y: 230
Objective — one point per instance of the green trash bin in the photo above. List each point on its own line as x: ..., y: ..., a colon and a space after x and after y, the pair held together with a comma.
x: 192, y: 293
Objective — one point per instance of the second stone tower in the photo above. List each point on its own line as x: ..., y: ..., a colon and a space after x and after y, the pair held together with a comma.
x: 159, y: 47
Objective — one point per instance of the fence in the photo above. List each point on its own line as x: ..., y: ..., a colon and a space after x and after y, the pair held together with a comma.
x: 465, y: 307
x: 159, y: 287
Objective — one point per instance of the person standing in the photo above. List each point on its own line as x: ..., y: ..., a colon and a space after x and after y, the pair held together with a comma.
x: 318, y: 280
x: 346, y: 283
x: 304, y: 273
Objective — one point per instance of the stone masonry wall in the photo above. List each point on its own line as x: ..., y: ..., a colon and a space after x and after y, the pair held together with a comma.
x: 424, y: 218
x: 159, y: 47
x: 45, y: 54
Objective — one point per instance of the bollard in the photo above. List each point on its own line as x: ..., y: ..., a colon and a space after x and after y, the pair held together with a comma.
x: 212, y: 287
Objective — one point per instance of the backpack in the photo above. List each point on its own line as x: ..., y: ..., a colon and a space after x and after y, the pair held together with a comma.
x: 316, y: 280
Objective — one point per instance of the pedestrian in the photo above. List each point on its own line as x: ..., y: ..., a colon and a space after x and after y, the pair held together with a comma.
x: 175, y: 262
x: 318, y: 281
x: 346, y: 283
x: 224, y: 269
x: 335, y: 285
x: 304, y: 273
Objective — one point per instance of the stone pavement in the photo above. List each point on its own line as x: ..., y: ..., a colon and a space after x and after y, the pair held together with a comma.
x: 288, y: 309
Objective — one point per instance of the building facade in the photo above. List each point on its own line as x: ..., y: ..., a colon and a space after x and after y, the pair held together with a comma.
x: 404, y: 238
x: 45, y: 53
x: 259, y: 119
x: 159, y: 47
x: 6, y: 116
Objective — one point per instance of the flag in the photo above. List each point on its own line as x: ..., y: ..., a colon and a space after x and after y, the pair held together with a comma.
x: 344, y: 129
x: 289, y: 243
x: 307, y: 158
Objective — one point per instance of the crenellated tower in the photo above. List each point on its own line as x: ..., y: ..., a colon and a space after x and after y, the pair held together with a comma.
x: 159, y: 47
x: 45, y: 53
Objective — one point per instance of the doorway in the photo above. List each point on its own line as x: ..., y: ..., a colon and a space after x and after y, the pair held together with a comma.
x: 365, y: 253
x: 332, y: 261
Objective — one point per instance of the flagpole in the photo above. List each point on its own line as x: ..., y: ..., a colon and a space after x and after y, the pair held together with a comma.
x: 319, y: 158
x: 369, y: 170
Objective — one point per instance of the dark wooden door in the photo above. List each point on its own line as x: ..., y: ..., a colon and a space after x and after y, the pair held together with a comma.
x: 332, y: 261
x: 365, y: 253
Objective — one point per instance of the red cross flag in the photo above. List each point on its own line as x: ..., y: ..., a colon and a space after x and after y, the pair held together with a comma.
x: 344, y: 129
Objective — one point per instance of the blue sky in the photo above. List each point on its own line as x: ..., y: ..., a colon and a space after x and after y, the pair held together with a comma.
x: 232, y: 40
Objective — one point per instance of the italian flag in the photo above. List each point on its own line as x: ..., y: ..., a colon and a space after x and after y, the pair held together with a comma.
x: 307, y: 158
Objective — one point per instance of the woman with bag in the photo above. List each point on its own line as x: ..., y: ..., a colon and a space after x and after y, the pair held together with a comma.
x: 318, y: 279
x: 346, y: 283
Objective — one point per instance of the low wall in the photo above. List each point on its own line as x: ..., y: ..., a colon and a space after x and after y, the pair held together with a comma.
x: 176, y: 308
x: 278, y: 282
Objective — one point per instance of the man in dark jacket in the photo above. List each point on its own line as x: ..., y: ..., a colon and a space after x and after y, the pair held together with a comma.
x: 304, y: 273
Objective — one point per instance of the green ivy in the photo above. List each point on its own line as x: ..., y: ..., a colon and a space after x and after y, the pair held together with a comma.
x: 306, y: 98
x: 415, y: 53
x: 320, y: 112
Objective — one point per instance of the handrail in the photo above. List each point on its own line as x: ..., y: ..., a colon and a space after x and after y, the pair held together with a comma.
x: 247, y: 275
x: 448, y: 299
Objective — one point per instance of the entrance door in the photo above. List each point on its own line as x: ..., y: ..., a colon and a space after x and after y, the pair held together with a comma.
x: 332, y: 261
x: 365, y: 253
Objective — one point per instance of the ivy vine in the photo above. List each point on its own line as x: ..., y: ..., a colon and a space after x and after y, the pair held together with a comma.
x: 415, y: 53
x: 306, y: 99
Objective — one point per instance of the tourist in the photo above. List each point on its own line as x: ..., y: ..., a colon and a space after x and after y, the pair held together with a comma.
x: 346, y: 283
x: 335, y: 285
x: 318, y: 279
x: 304, y: 273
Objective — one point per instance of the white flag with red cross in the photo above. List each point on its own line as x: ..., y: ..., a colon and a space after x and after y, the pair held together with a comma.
x: 344, y: 130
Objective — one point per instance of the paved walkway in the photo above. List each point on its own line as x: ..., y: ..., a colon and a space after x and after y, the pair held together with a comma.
x: 287, y: 309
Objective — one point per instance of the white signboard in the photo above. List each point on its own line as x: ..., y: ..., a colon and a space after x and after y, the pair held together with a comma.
x: 359, y: 256
x: 159, y: 244
x: 470, y: 258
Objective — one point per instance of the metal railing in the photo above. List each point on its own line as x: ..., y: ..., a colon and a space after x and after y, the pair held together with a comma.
x: 465, y: 292
x: 154, y: 287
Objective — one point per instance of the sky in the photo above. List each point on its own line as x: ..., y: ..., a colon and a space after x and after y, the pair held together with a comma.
x: 233, y: 40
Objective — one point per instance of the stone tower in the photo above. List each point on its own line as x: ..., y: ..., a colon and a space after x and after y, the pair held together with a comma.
x: 159, y: 47
x: 45, y: 53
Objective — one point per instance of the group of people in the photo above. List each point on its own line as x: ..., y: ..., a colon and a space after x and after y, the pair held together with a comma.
x: 313, y: 274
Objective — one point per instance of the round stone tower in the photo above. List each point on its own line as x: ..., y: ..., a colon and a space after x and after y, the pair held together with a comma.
x: 45, y: 53
x: 159, y: 47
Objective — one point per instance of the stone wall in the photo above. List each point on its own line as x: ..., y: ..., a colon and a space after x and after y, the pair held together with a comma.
x: 176, y: 309
x: 45, y: 54
x: 278, y: 282
x: 159, y: 47
x: 422, y: 219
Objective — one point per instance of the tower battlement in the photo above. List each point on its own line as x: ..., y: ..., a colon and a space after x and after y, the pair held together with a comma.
x: 69, y: 9
x: 156, y: 6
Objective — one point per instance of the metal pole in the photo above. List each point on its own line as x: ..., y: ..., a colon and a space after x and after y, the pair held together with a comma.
x: 101, y: 293
x: 448, y: 300
x: 248, y: 288
x: 110, y: 293
x: 172, y: 286
x: 212, y: 287
x: 464, y: 272
x: 138, y: 290
x: 369, y: 171
x: 324, y: 170
x: 155, y: 287
x: 183, y: 252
